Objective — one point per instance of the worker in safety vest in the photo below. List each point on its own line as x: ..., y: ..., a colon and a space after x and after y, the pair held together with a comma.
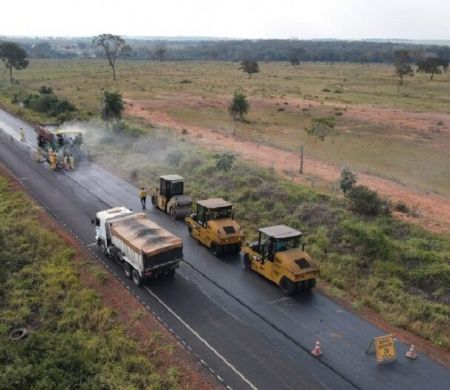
x: 38, y: 155
x: 143, y: 197
x: 53, y: 160
x: 71, y: 162
x: 22, y: 135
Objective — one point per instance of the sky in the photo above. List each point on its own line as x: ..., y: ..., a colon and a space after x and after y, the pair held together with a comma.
x: 302, y: 19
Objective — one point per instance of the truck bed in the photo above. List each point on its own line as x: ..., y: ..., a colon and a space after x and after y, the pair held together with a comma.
x: 143, y: 236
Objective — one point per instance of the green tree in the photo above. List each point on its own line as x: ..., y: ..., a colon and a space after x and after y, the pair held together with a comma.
x: 114, y: 46
x: 111, y: 106
x: 161, y: 52
x: 249, y: 67
x: 432, y: 66
x: 295, y: 55
x: 225, y: 161
x: 13, y: 56
x: 402, y: 64
x: 321, y: 129
x: 348, y: 180
x: 238, y: 107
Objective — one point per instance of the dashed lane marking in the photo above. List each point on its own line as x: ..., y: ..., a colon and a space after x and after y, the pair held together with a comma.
x: 197, y: 335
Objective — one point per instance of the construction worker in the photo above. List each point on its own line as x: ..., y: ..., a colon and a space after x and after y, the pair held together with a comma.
x: 22, y: 135
x: 38, y: 155
x: 53, y: 160
x: 143, y: 197
x: 71, y: 162
x: 65, y: 161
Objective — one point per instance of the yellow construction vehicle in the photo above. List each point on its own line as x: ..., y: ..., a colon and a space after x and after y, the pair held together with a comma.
x: 214, y: 226
x: 170, y: 197
x: 278, y: 257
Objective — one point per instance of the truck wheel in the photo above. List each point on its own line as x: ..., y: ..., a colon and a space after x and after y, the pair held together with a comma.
x: 215, y: 249
x: 127, y: 269
x: 287, y: 286
x: 173, y: 212
x: 311, y: 283
x: 137, y: 280
x: 247, y: 261
x: 190, y: 229
x: 102, y: 247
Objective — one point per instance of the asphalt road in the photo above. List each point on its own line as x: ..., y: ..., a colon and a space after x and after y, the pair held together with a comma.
x: 239, y: 325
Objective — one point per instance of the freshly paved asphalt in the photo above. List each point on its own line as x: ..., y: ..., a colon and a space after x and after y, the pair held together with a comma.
x: 239, y: 325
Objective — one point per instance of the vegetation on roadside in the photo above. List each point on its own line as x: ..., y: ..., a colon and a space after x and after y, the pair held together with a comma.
x: 399, y: 270
x: 73, y: 341
x: 284, y: 100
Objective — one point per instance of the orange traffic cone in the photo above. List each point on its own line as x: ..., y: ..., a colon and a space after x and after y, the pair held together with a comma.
x: 411, y: 354
x: 316, y: 351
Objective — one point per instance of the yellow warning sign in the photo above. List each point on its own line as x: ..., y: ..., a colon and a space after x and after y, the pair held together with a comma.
x: 385, y: 348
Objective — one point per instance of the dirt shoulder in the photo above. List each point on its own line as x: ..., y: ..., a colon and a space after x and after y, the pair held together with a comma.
x: 162, y: 345
x: 433, y: 211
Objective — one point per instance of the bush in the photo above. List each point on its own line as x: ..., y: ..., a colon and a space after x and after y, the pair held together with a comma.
x: 45, y: 90
x: 402, y: 207
x: 364, y: 201
x: 225, y: 161
x: 347, y: 180
x: 48, y: 104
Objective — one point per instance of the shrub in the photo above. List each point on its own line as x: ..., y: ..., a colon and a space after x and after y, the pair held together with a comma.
x: 48, y: 104
x: 347, y: 180
x: 225, y: 161
x: 45, y: 90
x: 402, y: 207
x: 364, y: 201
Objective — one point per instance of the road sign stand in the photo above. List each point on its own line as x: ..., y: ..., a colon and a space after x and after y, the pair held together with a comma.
x: 384, y: 348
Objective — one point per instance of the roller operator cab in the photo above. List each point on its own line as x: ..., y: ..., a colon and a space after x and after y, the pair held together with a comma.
x: 170, y: 197
x: 144, y: 249
x: 215, y: 227
x: 278, y: 257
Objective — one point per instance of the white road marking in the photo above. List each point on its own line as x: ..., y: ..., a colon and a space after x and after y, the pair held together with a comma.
x: 91, y: 244
x: 195, y: 333
x: 280, y: 300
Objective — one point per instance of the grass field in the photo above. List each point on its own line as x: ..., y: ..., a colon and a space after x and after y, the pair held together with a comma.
x: 400, y: 133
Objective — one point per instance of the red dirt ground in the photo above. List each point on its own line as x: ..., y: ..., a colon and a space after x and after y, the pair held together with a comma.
x: 433, y: 210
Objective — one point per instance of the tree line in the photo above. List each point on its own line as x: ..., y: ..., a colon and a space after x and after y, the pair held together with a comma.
x: 294, y: 51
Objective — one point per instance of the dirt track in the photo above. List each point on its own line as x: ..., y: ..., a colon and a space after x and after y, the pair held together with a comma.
x: 433, y: 211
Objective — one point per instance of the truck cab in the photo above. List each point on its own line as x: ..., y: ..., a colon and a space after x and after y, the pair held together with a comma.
x: 215, y: 227
x: 102, y: 223
x: 170, y: 196
x: 277, y: 256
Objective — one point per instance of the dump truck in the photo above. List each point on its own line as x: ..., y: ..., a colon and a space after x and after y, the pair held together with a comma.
x: 144, y: 249
x: 170, y: 197
x: 215, y: 227
x: 277, y: 256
